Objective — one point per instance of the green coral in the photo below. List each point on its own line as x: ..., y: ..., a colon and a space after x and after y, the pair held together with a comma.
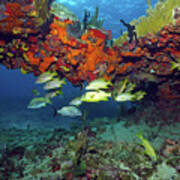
x: 94, y: 21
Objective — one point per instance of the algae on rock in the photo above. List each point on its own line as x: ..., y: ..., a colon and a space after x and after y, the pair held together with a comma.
x: 42, y: 8
x: 164, y: 172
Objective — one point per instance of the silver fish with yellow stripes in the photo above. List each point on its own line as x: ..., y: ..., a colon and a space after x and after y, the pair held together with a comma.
x: 95, y: 96
x: 54, y: 84
x: 76, y: 101
x: 128, y: 96
x: 98, y: 84
x: 70, y: 111
x: 38, y: 102
x: 45, y: 77
x: 53, y: 94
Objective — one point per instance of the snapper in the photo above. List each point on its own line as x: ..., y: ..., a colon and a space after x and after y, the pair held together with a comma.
x: 95, y: 96
x: 45, y: 77
x: 54, y: 84
x: 70, y: 111
x: 98, y: 84
x: 38, y: 102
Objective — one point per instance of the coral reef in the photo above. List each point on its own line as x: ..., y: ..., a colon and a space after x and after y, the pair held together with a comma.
x: 37, y: 40
x: 63, y: 48
x: 18, y: 18
x: 87, y: 56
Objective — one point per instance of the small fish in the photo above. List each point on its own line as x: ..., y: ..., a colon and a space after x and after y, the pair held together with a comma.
x: 127, y: 96
x: 53, y: 94
x: 98, y: 84
x: 70, y: 111
x: 45, y: 77
x: 124, y: 97
x: 149, y: 150
x: 95, y: 96
x: 38, y: 102
x: 76, y: 101
x: 54, y: 84
x: 35, y: 92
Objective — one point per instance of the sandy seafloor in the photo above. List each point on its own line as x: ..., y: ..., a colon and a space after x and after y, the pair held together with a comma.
x: 117, y: 129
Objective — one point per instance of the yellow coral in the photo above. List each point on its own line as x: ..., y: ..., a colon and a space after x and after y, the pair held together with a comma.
x: 157, y: 18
